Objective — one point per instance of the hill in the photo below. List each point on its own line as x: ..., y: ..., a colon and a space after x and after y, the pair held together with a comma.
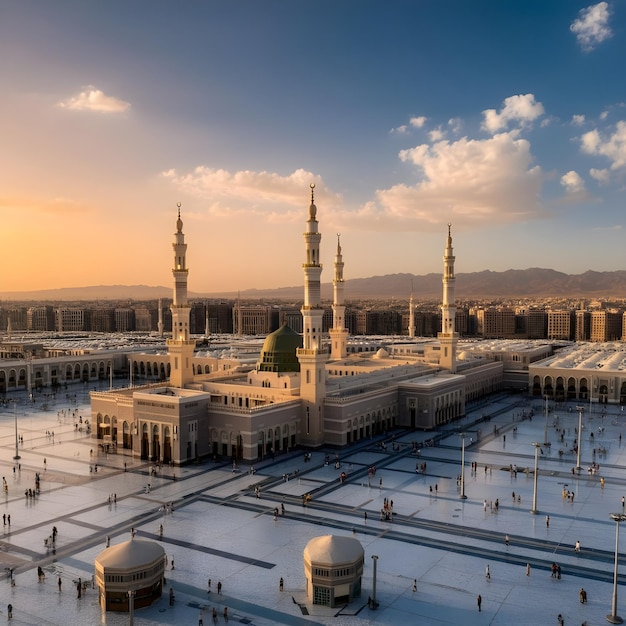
x: 528, y: 283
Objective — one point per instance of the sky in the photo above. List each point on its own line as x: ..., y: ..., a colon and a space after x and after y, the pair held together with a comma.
x: 505, y: 119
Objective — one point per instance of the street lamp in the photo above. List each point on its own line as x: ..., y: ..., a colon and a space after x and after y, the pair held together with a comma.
x: 463, y: 496
x: 17, y: 452
x: 131, y: 606
x: 613, y: 618
x: 545, y: 432
x: 534, y: 509
x: 374, y: 603
x: 580, y: 435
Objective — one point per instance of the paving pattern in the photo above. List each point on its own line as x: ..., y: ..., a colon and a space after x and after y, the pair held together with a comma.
x: 220, y: 529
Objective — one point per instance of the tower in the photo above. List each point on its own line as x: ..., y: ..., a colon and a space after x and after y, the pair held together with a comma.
x: 339, y: 332
x: 448, y: 338
x: 411, y: 314
x: 160, y: 319
x: 180, y: 347
x: 312, y: 356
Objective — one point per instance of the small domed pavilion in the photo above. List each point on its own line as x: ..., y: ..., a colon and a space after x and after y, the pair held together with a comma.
x: 333, y: 567
x: 132, y: 566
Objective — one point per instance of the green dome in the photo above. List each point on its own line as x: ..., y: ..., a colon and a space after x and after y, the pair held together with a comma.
x: 279, y: 351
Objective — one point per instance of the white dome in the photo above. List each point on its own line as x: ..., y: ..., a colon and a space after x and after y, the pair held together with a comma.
x: 130, y: 554
x: 333, y: 550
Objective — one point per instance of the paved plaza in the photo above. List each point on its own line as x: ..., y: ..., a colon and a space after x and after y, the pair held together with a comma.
x: 219, y: 529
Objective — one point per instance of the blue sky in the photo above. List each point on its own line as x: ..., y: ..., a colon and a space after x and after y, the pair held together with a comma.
x: 506, y: 119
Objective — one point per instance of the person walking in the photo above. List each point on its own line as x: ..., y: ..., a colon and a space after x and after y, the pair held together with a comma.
x: 577, y: 546
x: 209, y: 586
x: 281, y: 584
x: 226, y: 614
x: 479, y: 601
x: 415, y: 584
x: 219, y: 587
x: 506, y: 540
x: 214, y: 615
x: 59, y: 583
x: 560, y: 620
x: 487, y: 572
x: 547, y: 521
x: 527, y: 569
x: 10, y: 611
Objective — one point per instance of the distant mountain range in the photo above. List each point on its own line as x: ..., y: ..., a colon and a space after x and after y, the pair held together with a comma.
x: 533, y: 282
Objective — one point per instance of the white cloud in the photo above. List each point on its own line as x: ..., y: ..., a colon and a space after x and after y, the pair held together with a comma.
x: 604, y: 115
x: 455, y: 124
x: 92, y: 99
x: 248, y: 192
x: 602, y: 176
x: 473, y: 182
x: 399, y: 130
x: 578, y: 120
x: 591, y: 27
x: 613, y: 147
x: 573, y: 183
x: 418, y: 122
x: 436, y: 135
x: 520, y: 109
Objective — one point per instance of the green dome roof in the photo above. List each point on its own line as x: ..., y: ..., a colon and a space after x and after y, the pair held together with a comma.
x: 279, y: 351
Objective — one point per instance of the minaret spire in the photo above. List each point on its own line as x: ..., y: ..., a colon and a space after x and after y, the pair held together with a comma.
x: 180, y: 346
x: 312, y: 356
x: 448, y: 337
x: 411, y: 313
x: 339, y: 332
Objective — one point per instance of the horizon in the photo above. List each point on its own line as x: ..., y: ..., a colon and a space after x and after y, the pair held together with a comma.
x: 403, y: 123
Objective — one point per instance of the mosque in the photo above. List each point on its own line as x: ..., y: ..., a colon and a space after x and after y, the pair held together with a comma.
x: 307, y: 390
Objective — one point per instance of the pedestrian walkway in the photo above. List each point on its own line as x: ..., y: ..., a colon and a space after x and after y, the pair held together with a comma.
x: 220, y: 528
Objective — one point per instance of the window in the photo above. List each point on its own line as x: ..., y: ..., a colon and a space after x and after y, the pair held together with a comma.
x: 321, y: 595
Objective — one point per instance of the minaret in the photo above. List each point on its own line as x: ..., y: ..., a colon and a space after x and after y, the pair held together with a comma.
x: 160, y: 323
x: 448, y: 338
x: 411, y: 314
x: 339, y: 332
x: 312, y: 356
x: 180, y: 346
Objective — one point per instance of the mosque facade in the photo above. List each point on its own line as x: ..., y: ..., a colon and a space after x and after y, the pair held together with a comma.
x: 302, y: 390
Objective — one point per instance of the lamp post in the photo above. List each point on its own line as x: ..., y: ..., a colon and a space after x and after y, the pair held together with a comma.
x: 374, y: 603
x: 545, y: 432
x: 131, y: 606
x: 463, y: 496
x: 17, y: 452
x: 580, y: 435
x: 613, y: 618
x: 534, y: 509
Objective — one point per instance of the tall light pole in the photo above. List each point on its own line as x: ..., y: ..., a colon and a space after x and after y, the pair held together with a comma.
x: 17, y: 452
x: 374, y: 603
x: 534, y: 509
x: 463, y: 496
x: 545, y: 432
x: 580, y: 435
x: 613, y: 618
x: 131, y: 606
